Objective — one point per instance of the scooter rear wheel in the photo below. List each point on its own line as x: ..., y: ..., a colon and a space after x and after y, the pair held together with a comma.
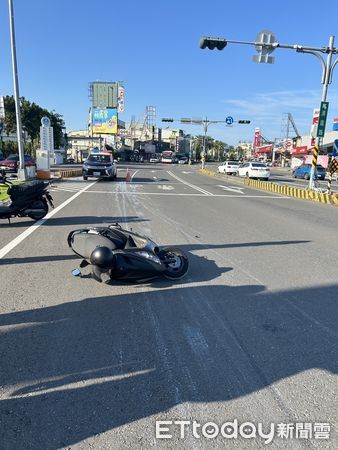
x: 178, y: 265
x: 42, y: 210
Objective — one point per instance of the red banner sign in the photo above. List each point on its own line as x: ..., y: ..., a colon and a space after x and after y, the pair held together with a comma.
x: 266, y: 149
x: 257, y: 139
x: 300, y: 150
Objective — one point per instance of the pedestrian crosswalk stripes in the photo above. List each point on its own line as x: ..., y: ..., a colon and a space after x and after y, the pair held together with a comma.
x: 71, y: 186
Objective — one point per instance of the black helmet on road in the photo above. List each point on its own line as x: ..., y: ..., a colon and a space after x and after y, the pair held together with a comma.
x: 102, y: 257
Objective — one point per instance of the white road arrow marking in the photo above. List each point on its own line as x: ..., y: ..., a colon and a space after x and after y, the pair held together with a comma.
x: 166, y: 187
x: 236, y: 189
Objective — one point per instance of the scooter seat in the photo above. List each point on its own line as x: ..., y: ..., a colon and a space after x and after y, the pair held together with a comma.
x: 28, y: 188
x: 84, y: 243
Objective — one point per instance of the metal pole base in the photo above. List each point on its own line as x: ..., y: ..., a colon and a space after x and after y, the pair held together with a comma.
x: 22, y: 175
x: 311, y: 185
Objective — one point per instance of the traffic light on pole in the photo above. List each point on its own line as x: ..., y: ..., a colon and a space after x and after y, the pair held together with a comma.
x: 167, y: 120
x: 244, y: 121
x: 213, y: 43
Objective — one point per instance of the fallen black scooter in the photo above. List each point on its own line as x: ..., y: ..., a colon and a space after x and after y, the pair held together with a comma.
x: 118, y: 254
x: 29, y: 199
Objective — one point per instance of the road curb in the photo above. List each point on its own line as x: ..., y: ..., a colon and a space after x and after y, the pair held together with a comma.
x: 290, y: 191
x: 286, y: 190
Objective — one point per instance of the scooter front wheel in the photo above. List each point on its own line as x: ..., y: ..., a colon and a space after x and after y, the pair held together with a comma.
x: 175, y: 261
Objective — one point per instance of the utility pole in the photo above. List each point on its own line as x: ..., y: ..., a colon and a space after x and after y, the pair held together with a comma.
x: 265, y: 44
x: 21, y: 169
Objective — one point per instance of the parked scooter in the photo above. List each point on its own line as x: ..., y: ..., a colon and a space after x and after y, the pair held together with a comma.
x: 28, y: 199
x: 118, y: 254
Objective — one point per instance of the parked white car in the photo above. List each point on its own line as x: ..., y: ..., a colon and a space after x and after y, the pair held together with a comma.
x: 229, y: 167
x: 254, y: 170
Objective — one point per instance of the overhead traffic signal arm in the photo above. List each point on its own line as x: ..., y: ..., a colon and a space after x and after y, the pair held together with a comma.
x: 212, y: 43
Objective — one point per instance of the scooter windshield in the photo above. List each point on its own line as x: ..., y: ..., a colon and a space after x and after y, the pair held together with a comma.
x: 140, y: 241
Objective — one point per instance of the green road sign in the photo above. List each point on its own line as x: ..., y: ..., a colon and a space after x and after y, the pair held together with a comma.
x: 324, y: 107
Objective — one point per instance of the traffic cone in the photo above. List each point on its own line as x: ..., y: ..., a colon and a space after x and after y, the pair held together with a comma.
x: 128, y: 177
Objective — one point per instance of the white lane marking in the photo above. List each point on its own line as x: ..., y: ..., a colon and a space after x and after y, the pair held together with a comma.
x: 231, y: 188
x: 134, y: 174
x: 186, y: 172
x: 7, y: 248
x: 189, y: 184
x: 165, y: 187
x: 69, y: 188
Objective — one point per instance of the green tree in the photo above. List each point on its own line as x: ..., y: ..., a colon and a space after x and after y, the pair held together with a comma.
x: 240, y: 152
x: 199, y: 139
x: 219, y: 147
x: 197, y: 146
x: 31, y: 115
x: 231, y: 153
x: 9, y: 123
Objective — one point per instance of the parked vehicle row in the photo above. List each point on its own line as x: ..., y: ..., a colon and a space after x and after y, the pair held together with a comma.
x: 229, y: 167
x: 259, y: 170
x: 11, y: 163
x: 250, y: 169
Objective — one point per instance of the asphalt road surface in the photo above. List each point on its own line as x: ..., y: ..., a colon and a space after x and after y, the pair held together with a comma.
x: 250, y: 335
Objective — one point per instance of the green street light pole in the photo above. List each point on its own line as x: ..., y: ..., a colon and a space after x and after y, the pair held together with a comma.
x: 21, y: 168
x: 265, y: 44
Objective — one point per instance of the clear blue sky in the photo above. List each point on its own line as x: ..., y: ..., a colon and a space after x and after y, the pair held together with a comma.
x: 154, y: 47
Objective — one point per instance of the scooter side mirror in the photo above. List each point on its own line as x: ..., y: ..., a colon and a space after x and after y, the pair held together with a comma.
x: 76, y: 272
